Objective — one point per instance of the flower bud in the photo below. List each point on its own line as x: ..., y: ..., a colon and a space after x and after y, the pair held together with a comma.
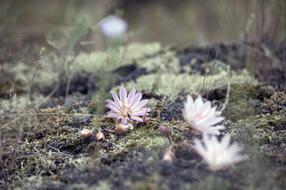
x: 99, y: 136
x: 164, y: 131
x: 86, y: 133
x: 121, y: 129
x: 169, y: 155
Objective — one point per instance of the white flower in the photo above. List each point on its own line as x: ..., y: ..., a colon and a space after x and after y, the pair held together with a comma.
x: 127, y: 108
x: 113, y: 26
x: 218, y: 154
x: 202, y: 117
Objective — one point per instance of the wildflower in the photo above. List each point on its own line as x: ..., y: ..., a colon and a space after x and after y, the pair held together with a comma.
x: 127, y: 108
x: 113, y: 26
x: 202, y: 117
x: 218, y: 154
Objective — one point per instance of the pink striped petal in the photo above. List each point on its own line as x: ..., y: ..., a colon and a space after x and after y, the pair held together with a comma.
x: 139, y: 119
x: 113, y: 115
x: 139, y: 105
x: 131, y: 96
x: 139, y: 113
x: 122, y: 94
x: 116, y: 99
x: 144, y: 109
x: 113, y: 104
x: 112, y: 108
x: 136, y: 99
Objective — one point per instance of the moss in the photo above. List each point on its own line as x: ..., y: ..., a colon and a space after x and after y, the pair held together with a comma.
x: 22, y: 73
x: 160, y: 83
x: 245, y: 99
x: 152, y: 183
x: 18, y: 104
x: 53, y: 68
x: 42, y: 149
x: 110, y: 60
x: 210, y: 183
x: 263, y: 131
x: 166, y: 62
x: 34, y: 182
x: 102, y: 185
x: 11, y: 87
x: 275, y: 103
x: 146, y: 137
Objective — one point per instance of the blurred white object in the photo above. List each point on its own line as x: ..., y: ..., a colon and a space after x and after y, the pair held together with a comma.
x: 113, y: 26
x: 202, y: 117
x: 218, y: 154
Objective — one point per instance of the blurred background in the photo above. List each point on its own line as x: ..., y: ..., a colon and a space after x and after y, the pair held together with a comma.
x: 180, y: 23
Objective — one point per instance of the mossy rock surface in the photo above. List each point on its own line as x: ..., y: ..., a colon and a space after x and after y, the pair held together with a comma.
x: 41, y: 147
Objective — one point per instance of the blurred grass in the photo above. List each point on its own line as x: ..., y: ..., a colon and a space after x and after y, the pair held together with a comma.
x: 181, y: 23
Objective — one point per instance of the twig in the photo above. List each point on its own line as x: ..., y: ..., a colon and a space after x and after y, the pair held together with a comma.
x: 228, y: 90
x: 15, y: 119
x: 49, y: 96
x: 35, y: 75
x: 59, y: 151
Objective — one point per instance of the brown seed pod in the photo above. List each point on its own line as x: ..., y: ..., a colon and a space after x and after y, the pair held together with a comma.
x: 164, y: 131
x: 86, y: 133
x: 121, y: 129
x: 99, y: 136
x: 169, y: 155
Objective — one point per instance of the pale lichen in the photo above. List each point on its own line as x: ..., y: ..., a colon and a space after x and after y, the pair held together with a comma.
x: 169, y: 84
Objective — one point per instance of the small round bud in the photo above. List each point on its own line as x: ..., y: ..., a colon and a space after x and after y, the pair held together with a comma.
x: 164, y: 131
x: 121, y: 129
x: 169, y: 155
x: 86, y: 133
x: 99, y: 136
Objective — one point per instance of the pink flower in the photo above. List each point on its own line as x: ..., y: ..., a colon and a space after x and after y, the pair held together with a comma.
x: 202, y: 117
x: 127, y: 108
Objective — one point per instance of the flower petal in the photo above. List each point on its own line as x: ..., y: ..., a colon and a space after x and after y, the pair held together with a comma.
x: 123, y: 94
x: 113, y: 104
x: 112, y: 115
x: 131, y: 96
x: 139, y: 119
x: 116, y: 99
x: 138, y: 106
x: 140, y: 113
x: 136, y: 99
x: 112, y: 108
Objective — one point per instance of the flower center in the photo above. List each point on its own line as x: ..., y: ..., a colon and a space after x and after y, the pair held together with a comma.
x: 125, y: 111
x: 199, y: 116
